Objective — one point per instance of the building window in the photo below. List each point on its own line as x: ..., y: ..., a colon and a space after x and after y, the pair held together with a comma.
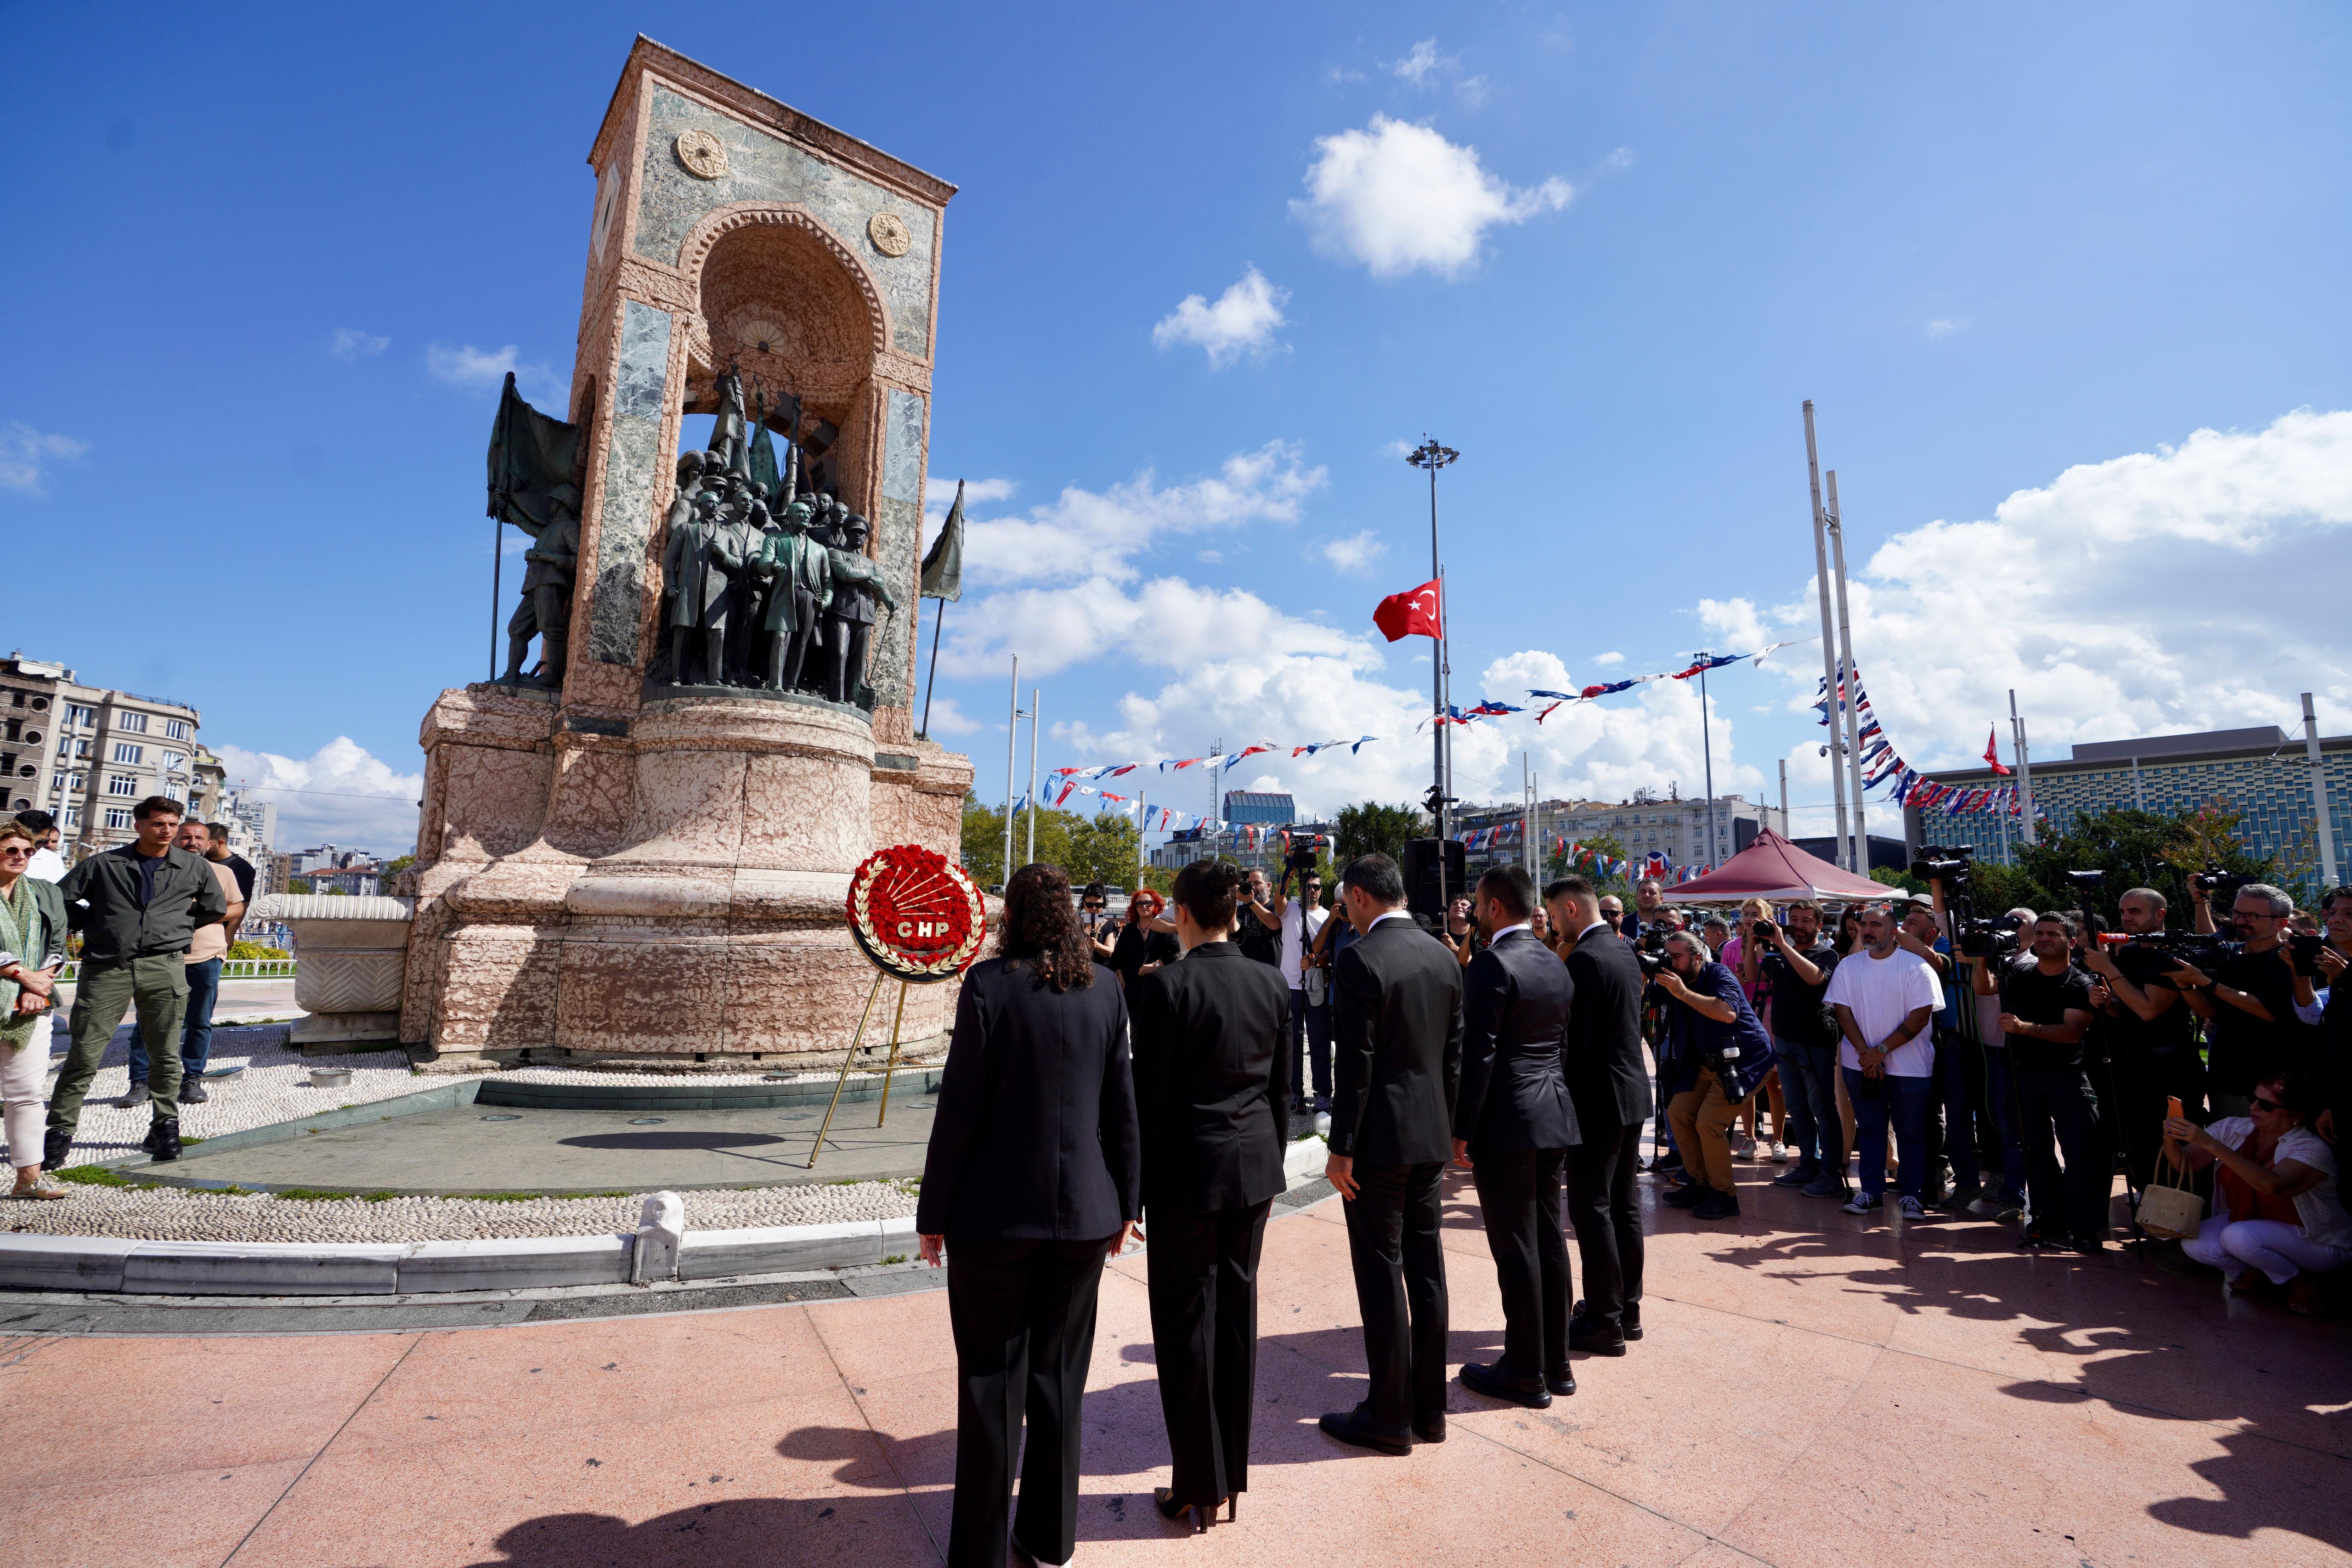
x: 121, y: 784
x: 81, y: 746
x: 126, y: 752
x: 78, y: 715
x: 175, y: 730
x: 173, y: 762
x: 73, y: 817
x: 117, y: 816
x: 136, y: 723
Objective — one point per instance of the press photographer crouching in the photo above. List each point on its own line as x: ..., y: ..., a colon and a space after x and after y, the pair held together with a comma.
x: 2151, y: 1034
x: 2276, y: 1208
x: 1716, y: 1053
x: 2045, y: 1013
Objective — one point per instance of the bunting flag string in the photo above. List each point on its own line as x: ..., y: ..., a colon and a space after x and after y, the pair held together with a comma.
x: 1883, y: 764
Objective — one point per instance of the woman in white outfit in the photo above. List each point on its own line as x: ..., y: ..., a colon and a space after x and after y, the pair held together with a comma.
x: 32, y: 945
x: 2276, y: 1208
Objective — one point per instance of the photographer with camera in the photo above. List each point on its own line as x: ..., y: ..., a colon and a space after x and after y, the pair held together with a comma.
x: 1795, y: 964
x: 1301, y: 922
x: 1885, y: 998
x: 1257, y: 928
x: 2046, y: 1012
x: 2151, y: 1033
x: 1716, y: 1053
x: 2248, y: 998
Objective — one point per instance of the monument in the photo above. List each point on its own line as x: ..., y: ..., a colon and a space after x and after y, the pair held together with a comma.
x: 639, y: 853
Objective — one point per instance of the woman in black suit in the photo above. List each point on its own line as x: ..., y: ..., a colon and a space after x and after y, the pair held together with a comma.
x: 1137, y: 945
x: 1030, y: 1181
x: 1211, y: 1055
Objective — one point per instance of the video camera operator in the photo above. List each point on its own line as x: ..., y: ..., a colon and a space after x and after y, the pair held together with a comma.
x: 1716, y: 1053
x: 2248, y: 998
x: 2045, y: 1013
x: 2151, y: 1033
x: 1257, y: 928
x: 1795, y: 963
x: 1954, y: 1178
x: 1302, y: 920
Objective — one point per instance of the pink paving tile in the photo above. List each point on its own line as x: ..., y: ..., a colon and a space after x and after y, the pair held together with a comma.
x: 1932, y: 1463
x: 887, y: 1336
x: 183, y: 1519
x: 156, y: 1406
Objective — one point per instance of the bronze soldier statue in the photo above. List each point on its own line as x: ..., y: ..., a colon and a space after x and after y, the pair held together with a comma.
x: 799, y: 574
x: 733, y: 547
x: 695, y: 591
x: 546, y: 608
x: 849, y: 622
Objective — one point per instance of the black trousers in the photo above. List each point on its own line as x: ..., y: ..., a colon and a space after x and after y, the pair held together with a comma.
x: 1204, y: 1269
x: 2143, y: 1084
x: 1520, y: 1194
x: 1310, y: 1032
x: 1604, y: 1210
x: 1023, y: 1317
x: 1399, y: 1289
x: 2073, y: 1202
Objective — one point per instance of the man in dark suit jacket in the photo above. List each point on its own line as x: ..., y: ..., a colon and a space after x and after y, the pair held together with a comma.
x: 1396, y: 1062
x: 1609, y: 1084
x: 1211, y: 1065
x: 1513, y: 1126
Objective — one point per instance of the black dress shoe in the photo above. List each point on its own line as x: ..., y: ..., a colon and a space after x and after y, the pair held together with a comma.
x: 1687, y: 1197
x: 1562, y: 1382
x: 138, y: 1095
x: 193, y: 1092
x: 57, y: 1148
x: 1497, y: 1381
x: 163, y: 1141
x: 1430, y: 1428
x: 1357, y: 1427
x: 1590, y: 1338
x: 1629, y: 1320
x: 1716, y: 1206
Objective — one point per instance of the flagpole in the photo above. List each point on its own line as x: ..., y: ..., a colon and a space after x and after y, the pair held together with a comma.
x: 1033, y: 706
x: 1432, y: 456
x: 498, y: 539
x: 1011, y: 741
x: 1853, y: 679
x: 1707, y: 753
x: 938, y: 622
x: 1832, y: 690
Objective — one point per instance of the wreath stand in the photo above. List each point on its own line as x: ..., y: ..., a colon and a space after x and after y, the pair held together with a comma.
x: 918, y: 919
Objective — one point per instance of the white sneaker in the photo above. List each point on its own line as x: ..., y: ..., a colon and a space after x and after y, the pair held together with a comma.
x: 1779, y: 1154
x: 1910, y: 1207
x: 1322, y: 1123
x: 1743, y: 1147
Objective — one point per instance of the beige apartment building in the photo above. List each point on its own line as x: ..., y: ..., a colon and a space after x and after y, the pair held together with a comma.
x: 87, y: 755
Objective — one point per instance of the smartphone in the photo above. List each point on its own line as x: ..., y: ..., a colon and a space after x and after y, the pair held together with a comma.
x: 2172, y: 1108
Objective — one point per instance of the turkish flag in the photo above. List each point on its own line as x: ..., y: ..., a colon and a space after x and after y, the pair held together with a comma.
x: 1993, y: 750
x: 1416, y: 614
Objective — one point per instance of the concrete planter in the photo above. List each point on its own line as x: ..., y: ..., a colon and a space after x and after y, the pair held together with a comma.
x: 352, y: 954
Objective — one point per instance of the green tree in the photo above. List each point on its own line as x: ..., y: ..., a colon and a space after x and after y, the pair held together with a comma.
x: 1370, y: 828
x: 1089, y: 849
x: 1606, y: 847
x: 2137, y: 848
x: 298, y: 884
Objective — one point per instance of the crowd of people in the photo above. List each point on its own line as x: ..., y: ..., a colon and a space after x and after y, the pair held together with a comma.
x: 1114, y: 1075
x: 156, y: 918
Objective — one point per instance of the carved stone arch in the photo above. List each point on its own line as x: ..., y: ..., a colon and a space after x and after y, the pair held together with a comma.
x: 774, y: 266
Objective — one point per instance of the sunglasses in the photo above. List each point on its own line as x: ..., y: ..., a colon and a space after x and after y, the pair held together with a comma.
x: 2261, y: 1104
x: 15, y: 852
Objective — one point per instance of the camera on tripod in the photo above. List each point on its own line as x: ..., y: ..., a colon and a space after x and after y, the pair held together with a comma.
x: 1949, y: 865
x: 1302, y: 857
x: 2213, y: 879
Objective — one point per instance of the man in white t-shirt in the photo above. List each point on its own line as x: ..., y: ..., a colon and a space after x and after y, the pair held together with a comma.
x: 48, y: 865
x: 1886, y: 998
x: 1301, y: 918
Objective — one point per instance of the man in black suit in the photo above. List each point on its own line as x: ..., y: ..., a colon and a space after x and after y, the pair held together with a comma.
x: 1396, y: 1060
x: 1609, y: 1085
x: 1512, y: 1127
x: 1211, y: 1040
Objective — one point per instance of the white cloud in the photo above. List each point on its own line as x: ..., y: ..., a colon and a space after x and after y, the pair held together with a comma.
x: 1399, y: 198
x: 1609, y: 658
x: 1422, y: 61
x: 1945, y: 326
x: 350, y: 343
x: 947, y: 718
x: 469, y: 366
x: 939, y: 494
x: 25, y: 454
x: 1082, y: 534
x: 340, y: 795
x: 1354, y: 555
x: 1242, y: 321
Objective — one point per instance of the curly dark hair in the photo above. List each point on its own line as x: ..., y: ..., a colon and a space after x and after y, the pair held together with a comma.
x: 1041, y: 924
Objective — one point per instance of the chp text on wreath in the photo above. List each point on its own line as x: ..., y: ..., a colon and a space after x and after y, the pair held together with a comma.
x: 916, y: 914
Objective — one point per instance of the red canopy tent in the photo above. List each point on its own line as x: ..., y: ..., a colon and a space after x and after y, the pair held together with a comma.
x: 1773, y: 868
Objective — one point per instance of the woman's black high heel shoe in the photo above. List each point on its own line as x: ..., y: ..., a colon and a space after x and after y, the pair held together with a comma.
x: 1164, y: 1499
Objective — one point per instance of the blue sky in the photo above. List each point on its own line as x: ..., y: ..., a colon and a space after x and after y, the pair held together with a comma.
x: 267, y: 270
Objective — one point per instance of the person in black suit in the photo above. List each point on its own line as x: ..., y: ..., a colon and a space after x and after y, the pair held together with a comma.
x: 1210, y: 1068
x: 1513, y: 1126
x: 1609, y: 1085
x: 1033, y: 1179
x: 1396, y: 1061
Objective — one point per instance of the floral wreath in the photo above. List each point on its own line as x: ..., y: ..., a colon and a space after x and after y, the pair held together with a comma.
x: 916, y: 914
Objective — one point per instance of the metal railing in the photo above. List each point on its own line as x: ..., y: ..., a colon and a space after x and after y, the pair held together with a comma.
x: 231, y: 970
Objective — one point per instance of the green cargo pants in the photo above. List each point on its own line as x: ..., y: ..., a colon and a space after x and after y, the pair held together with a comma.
x: 105, y: 990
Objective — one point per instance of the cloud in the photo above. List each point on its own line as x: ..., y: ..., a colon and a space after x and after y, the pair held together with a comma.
x: 1607, y: 659
x: 947, y: 718
x: 1401, y: 198
x: 25, y: 454
x: 350, y: 343
x: 1242, y: 321
x: 1081, y: 534
x: 1165, y: 622
x: 939, y: 495
x: 340, y: 795
x: 468, y: 366
x: 1421, y: 61
x: 1355, y: 554
x: 1945, y: 326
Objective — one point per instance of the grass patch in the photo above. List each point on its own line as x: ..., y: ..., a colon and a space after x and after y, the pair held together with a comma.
x: 99, y: 1175
x: 501, y: 1196
x: 896, y: 1257
x: 313, y: 1195
x: 378, y: 1196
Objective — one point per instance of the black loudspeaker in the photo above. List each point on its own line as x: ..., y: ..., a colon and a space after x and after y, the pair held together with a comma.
x: 1424, y: 898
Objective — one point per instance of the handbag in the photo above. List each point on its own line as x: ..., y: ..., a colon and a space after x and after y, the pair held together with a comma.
x: 2169, y: 1209
x: 1318, y: 982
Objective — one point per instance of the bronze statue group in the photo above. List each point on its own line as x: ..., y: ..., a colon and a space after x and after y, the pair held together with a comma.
x: 1073, y: 1115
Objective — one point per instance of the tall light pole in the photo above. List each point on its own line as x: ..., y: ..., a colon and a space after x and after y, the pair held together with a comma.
x: 1707, y: 751
x: 1033, y: 706
x: 1833, y: 688
x: 1012, y: 745
x: 1432, y: 456
x: 1853, y: 681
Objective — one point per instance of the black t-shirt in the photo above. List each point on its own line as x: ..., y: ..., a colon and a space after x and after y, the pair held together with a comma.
x: 2136, y: 1042
x: 1255, y: 940
x: 2242, y: 1045
x: 2038, y: 998
x: 1797, y: 1013
x: 1136, y: 948
x: 241, y: 869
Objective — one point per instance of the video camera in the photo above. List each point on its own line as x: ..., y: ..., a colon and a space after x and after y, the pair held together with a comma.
x: 1302, y: 857
x: 2213, y: 879
x: 1949, y: 865
x: 2199, y: 949
x: 1994, y: 939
